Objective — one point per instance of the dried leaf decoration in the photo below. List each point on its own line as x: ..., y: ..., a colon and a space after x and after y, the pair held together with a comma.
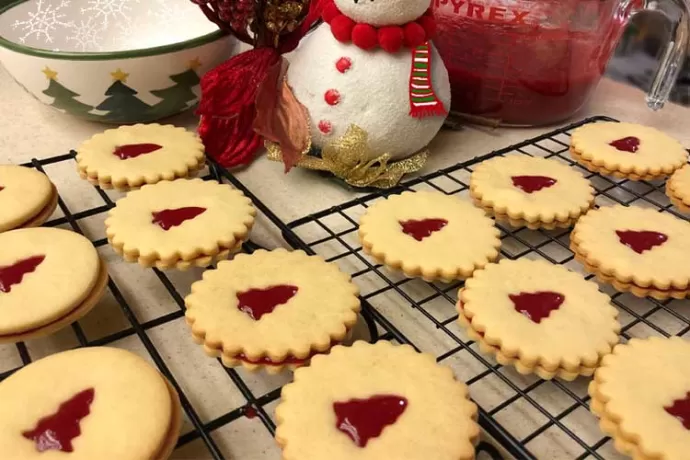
x: 348, y: 159
x: 280, y: 118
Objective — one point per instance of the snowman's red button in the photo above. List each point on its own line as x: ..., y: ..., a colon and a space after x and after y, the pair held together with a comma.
x: 332, y: 97
x: 343, y: 64
x: 325, y: 126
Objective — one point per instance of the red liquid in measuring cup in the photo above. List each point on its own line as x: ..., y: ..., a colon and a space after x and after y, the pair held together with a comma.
x: 505, y: 67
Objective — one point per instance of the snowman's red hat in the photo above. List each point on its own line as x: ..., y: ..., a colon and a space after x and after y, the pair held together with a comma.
x: 388, y: 37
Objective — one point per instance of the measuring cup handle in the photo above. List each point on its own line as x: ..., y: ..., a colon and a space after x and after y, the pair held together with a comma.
x: 673, y: 55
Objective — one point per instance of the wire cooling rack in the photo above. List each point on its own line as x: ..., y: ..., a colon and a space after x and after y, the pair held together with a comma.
x: 531, y: 417
x: 252, y: 396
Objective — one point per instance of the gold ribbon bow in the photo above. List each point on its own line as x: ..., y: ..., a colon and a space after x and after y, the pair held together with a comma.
x: 348, y: 159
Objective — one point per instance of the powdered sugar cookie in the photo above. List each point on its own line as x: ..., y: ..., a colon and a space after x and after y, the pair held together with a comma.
x: 534, y: 191
x: 49, y: 278
x: 131, y: 156
x: 179, y: 224
x: 637, y: 247
x: 641, y: 393
x: 373, y: 402
x: 429, y: 235
x: 271, y: 309
x: 86, y: 404
x: 537, y: 315
x: 27, y: 197
x: 678, y: 188
x: 627, y: 150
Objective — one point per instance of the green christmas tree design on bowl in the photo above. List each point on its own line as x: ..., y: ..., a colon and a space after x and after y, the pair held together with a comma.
x: 104, y: 81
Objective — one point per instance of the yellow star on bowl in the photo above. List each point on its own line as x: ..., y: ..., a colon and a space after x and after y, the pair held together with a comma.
x: 50, y: 73
x: 195, y: 63
x: 119, y: 75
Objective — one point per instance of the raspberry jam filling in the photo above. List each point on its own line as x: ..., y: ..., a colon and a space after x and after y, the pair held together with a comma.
x: 420, y: 229
x: 531, y: 184
x: 169, y: 218
x: 680, y: 409
x: 56, y: 431
x: 364, y: 419
x: 537, y: 305
x: 14, y: 274
x: 641, y: 241
x: 626, y: 144
x: 127, y: 151
x: 259, y: 302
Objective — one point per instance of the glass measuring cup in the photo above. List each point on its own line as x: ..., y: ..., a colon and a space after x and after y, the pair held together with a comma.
x: 535, y: 62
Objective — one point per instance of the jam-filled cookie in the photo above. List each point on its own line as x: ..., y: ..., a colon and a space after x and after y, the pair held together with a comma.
x: 626, y: 150
x: 373, y: 402
x: 678, y: 188
x: 635, y: 249
x: 534, y: 192
x: 541, y: 318
x: 429, y: 235
x: 272, y: 309
x: 641, y: 394
x: 131, y: 156
x: 180, y: 224
x: 49, y: 278
x: 88, y: 404
x: 27, y: 197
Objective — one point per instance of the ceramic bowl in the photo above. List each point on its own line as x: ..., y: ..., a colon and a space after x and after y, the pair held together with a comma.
x: 114, y: 61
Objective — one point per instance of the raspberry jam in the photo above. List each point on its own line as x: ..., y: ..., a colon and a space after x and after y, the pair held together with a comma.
x: 537, y: 305
x: 364, y: 419
x: 531, y: 184
x: 420, y: 229
x: 259, y: 302
x: 56, y: 431
x: 626, y: 144
x: 680, y: 409
x: 14, y: 274
x: 641, y: 241
x: 125, y: 152
x: 524, y: 62
x: 169, y: 218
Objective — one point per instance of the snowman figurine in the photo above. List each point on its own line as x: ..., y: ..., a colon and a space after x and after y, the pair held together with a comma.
x: 371, y: 64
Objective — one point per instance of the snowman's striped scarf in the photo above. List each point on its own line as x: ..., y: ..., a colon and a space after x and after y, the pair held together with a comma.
x: 423, y: 100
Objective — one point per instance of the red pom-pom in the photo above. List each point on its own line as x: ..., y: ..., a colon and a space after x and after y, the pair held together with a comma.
x: 330, y: 11
x: 341, y: 27
x: 364, y: 36
x: 414, y: 35
x: 429, y: 24
x: 391, y: 38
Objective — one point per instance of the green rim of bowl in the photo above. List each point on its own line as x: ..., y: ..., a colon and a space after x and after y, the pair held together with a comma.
x: 107, y: 55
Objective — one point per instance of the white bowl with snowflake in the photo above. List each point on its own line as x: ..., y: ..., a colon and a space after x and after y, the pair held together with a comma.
x: 114, y: 61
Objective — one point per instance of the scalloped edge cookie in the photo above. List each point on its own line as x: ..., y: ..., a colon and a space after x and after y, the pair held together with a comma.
x: 139, y: 173
x: 228, y: 349
x: 28, y: 182
x: 601, y: 266
x: 464, y: 438
x: 508, y: 203
x: 596, y: 154
x: 392, y: 248
x: 517, y: 355
x: 195, y: 249
x: 678, y: 188
x: 610, y: 422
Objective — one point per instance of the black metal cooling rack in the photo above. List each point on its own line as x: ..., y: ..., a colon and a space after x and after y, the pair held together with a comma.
x: 256, y: 403
x: 531, y: 417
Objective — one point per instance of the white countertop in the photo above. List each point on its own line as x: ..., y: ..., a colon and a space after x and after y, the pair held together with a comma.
x: 29, y: 129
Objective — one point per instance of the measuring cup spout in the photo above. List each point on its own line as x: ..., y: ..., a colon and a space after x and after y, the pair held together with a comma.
x: 673, y: 56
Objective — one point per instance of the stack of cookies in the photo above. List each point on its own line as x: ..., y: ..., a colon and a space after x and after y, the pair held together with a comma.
x: 641, y: 393
x: 678, y: 188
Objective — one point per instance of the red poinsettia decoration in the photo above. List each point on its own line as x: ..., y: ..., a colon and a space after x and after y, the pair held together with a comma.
x: 228, y: 109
